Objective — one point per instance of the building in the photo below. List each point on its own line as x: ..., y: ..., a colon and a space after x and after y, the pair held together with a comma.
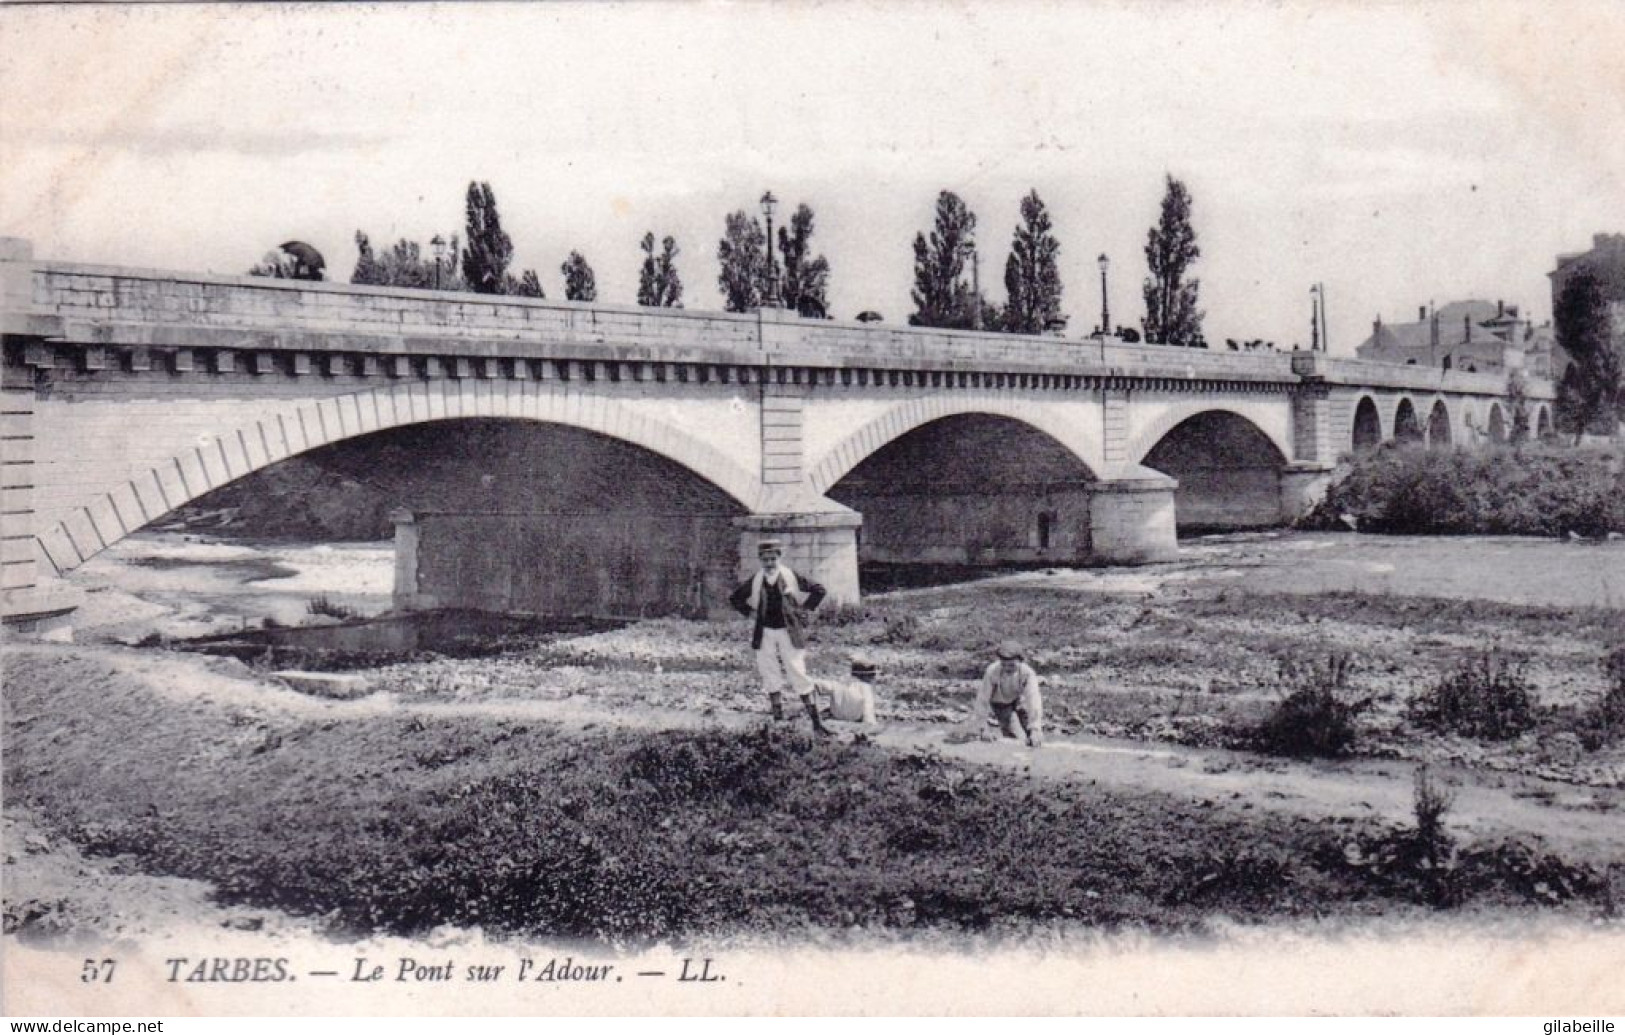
x: 1474, y: 335
x: 1606, y: 260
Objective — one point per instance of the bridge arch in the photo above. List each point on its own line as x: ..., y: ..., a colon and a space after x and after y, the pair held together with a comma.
x: 1228, y: 470
x: 303, y: 426
x: 1496, y: 424
x: 1367, y: 431
x: 1543, y: 423
x: 1438, y: 428
x: 1407, y: 428
x: 1174, y: 416
x: 844, y: 456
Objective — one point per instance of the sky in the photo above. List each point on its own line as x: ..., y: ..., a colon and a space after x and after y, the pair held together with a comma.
x: 1399, y: 154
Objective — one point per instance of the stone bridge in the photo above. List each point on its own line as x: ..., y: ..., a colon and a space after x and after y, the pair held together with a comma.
x: 556, y: 456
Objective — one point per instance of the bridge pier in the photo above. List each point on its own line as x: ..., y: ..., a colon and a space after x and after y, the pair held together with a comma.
x: 1302, y: 486
x: 822, y: 545
x: 1131, y: 519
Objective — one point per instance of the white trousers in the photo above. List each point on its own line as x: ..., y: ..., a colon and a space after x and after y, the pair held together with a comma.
x: 782, y: 663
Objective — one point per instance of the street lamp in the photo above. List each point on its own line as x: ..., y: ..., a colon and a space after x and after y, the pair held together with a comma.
x: 437, y: 244
x: 1105, y: 308
x: 967, y: 249
x: 1314, y: 318
x: 772, y: 299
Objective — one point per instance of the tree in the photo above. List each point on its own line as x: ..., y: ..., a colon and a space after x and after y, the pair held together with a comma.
x: 1031, y: 278
x: 1592, y: 392
x: 529, y: 285
x: 489, y: 250
x: 658, y: 282
x: 1171, y: 316
x: 403, y: 265
x: 579, y: 283
x: 742, y: 256
x: 1518, y: 402
x: 806, y: 280
x: 941, y: 296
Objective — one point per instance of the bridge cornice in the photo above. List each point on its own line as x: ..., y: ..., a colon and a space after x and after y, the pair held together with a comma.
x: 113, y: 307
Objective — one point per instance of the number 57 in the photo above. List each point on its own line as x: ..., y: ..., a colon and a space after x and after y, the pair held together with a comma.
x: 97, y: 970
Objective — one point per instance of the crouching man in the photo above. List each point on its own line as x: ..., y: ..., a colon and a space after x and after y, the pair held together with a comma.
x: 852, y: 700
x: 777, y: 598
x: 1009, y: 691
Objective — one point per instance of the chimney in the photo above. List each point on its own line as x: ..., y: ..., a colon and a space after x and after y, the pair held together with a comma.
x: 1500, y: 308
x: 1421, y: 313
x: 1467, y: 326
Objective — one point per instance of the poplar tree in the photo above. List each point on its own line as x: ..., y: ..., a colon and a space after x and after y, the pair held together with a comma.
x: 488, y: 252
x: 1171, y: 315
x: 1031, y: 279
x: 579, y: 283
x: 941, y: 296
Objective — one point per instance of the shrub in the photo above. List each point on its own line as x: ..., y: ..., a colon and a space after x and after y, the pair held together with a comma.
x: 1316, y: 715
x: 1533, y: 490
x: 320, y: 605
x: 1603, y: 723
x: 1488, y: 697
x: 900, y: 629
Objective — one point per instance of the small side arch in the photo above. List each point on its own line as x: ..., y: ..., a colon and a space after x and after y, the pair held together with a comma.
x: 1367, y: 430
x: 1407, y: 427
x: 1438, y: 429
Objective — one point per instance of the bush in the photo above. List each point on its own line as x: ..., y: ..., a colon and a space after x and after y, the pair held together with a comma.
x: 1535, y: 490
x: 1316, y: 716
x: 320, y: 605
x: 1603, y: 723
x: 1487, y: 697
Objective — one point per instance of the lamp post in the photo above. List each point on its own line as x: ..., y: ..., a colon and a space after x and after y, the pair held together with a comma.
x: 968, y: 250
x: 1314, y: 318
x: 772, y: 299
x: 437, y: 244
x: 1105, y: 307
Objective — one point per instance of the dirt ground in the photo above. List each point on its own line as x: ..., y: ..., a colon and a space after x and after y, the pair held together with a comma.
x: 1144, y: 671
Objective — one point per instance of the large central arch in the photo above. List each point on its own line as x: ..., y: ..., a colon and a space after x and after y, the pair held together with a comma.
x: 299, y: 427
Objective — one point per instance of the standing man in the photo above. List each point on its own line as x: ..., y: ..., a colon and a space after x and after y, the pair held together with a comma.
x: 775, y: 598
x: 1010, y: 690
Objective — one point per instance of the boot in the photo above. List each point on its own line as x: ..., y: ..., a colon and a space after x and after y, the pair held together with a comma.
x: 818, y: 723
x: 776, y: 703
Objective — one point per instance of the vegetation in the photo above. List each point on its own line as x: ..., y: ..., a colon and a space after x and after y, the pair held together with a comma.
x: 579, y: 283
x: 1031, y: 279
x: 942, y: 298
x: 403, y: 264
x: 1317, y: 712
x: 658, y: 281
x: 1171, y: 313
x: 1534, y: 490
x: 1602, y: 723
x: 383, y: 823
x: 489, y: 249
x: 1591, y: 396
x: 1489, y: 697
x: 806, y: 276
x: 742, y: 257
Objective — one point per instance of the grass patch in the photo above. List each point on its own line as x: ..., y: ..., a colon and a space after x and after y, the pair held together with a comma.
x: 400, y: 825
